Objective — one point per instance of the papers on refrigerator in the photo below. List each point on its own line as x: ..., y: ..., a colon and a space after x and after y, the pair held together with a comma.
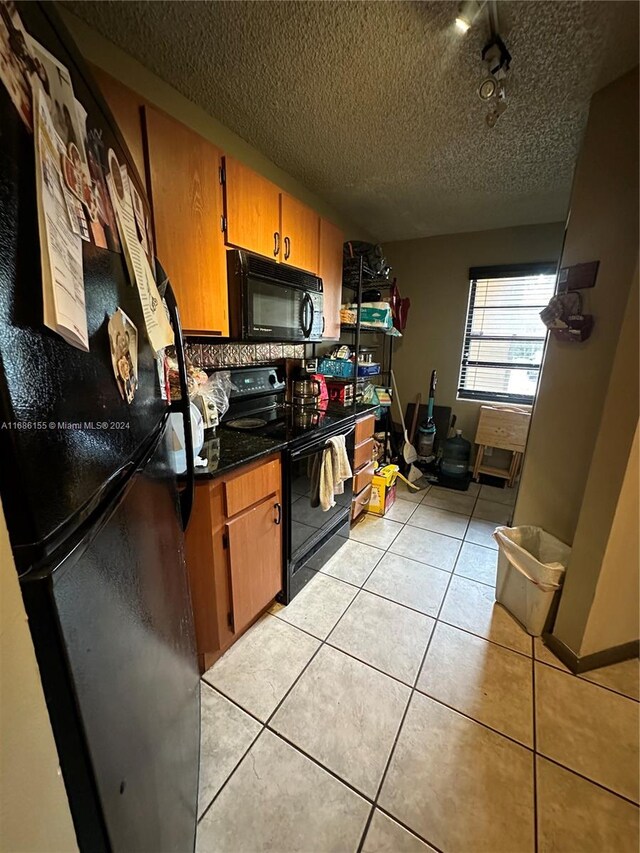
x: 17, y: 65
x: 158, y: 327
x: 56, y: 82
x: 123, y: 342
x: 60, y: 248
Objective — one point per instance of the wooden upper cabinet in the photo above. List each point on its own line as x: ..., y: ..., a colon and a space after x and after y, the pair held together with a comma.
x: 330, y: 271
x: 126, y: 106
x: 299, y: 230
x: 255, y: 559
x: 186, y: 196
x: 252, y: 210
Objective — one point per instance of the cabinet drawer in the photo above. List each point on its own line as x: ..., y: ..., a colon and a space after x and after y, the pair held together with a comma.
x: 249, y: 488
x: 360, y: 502
x: 363, y: 477
x: 365, y: 428
x: 362, y: 454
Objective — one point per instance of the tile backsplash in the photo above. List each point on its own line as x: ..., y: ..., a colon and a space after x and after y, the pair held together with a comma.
x: 240, y: 354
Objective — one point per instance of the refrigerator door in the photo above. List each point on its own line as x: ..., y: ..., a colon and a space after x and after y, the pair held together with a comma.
x: 66, y: 435
x: 114, y: 639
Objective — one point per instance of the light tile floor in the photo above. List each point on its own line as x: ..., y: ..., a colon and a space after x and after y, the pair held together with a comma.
x: 393, y: 707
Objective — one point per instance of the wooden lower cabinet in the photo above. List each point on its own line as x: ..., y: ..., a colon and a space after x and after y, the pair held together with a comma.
x: 363, y: 453
x: 234, y: 553
x: 254, y: 544
x: 363, y: 465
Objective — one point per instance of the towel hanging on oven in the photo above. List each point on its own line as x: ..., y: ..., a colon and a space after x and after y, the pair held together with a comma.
x: 335, y: 470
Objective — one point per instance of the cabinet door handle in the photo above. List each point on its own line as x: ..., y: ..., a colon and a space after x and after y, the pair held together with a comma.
x: 276, y: 243
x: 287, y: 248
x: 278, y: 508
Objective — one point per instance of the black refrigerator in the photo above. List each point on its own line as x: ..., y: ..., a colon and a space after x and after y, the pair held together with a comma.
x: 95, y: 519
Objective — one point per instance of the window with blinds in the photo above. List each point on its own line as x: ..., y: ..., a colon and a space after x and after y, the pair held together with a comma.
x: 504, y: 335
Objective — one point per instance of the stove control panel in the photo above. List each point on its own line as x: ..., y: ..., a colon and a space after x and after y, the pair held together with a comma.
x: 253, y: 381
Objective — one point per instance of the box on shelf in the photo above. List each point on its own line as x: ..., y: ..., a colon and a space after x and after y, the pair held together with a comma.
x: 374, y: 315
x: 340, y: 391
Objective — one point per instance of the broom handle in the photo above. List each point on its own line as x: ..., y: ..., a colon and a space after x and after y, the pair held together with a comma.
x: 414, y: 421
x: 395, y: 388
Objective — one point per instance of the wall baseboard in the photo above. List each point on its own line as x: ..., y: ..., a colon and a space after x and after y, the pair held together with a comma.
x: 606, y: 657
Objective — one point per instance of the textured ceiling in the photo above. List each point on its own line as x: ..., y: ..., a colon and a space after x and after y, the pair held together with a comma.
x: 373, y: 105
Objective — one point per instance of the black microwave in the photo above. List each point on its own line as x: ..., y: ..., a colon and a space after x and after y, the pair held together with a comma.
x: 271, y: 301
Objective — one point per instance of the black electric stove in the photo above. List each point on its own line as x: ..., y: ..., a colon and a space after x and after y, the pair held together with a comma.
x: 257, y: 405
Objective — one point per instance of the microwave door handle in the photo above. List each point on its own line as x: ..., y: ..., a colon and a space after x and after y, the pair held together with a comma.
x: 312, y: 311
x: 307, y: 302
x: 303, y: 311
x: 303, y: 314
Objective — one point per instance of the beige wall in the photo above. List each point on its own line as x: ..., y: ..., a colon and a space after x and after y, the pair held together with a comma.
x: 434, y: 273
x: 603, y: 225
x: 613, y: 617
x: 34, y: 811
x: 129, y: 71
x: 602, y: 576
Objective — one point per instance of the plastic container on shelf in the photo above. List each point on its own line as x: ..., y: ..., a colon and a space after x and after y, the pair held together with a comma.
x: 456, y: 453
x: 343, y: 368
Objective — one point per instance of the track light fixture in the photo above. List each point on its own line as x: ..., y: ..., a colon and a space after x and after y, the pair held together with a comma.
x: 467, y: 14
x: 495, y: 56
x: 492, y: 88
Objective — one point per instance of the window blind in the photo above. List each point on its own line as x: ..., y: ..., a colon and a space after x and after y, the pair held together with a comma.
x: 504, y: 336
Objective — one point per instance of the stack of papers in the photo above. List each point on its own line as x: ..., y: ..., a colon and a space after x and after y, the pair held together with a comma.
x: 60, y: 249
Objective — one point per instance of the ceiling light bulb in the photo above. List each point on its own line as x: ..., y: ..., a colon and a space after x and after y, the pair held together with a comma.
x: 462, y: 24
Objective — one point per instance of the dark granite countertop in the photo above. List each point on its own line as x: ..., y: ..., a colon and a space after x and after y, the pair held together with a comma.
x: 229, y: 449
x: 354, y: 409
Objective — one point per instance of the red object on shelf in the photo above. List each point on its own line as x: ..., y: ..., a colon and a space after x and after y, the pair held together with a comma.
x: 339, y: 392
x: 324, y: 394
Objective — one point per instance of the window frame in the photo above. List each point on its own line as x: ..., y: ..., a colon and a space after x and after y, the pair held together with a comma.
x: 500, y: 271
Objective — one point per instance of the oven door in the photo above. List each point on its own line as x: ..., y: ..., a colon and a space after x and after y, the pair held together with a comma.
x: 309, y: 527
x: 278, y: 312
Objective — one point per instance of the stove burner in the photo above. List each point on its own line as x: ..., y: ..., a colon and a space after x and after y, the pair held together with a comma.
x: 247, y: 423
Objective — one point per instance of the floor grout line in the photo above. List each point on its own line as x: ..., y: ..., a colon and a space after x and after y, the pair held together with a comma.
x: 617, y: 794
x: 588, y: 680
x: 484, y: 725
x: 319, y: 764
x: 535, y: 753
x: 404, y: 715
x: 413, y: 689
x: 412, y: 609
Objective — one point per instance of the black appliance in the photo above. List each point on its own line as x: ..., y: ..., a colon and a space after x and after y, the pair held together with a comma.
x: 95, y: 519
x: 311, y: 535
x: 272, y: 302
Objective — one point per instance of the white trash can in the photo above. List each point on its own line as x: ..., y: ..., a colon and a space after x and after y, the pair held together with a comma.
x: 531, y: 567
